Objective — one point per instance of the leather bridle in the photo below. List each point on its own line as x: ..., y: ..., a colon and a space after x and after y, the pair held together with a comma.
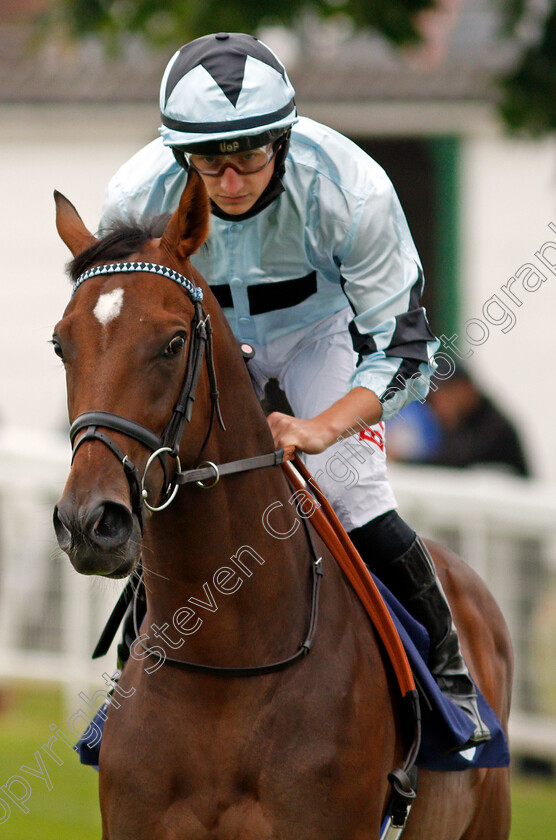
x: 168, y: 443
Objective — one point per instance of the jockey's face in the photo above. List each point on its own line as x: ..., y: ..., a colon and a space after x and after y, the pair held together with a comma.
x: 236, y: 192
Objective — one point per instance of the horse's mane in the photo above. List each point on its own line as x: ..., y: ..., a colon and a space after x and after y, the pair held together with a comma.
x: 119, y: 241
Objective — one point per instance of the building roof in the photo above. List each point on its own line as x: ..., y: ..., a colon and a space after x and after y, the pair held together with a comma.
x: 459, y: 63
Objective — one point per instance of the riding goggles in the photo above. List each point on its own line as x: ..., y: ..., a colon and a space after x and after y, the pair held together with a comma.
x: 245, y: 163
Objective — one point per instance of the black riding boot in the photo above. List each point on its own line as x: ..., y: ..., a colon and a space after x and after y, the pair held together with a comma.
x: 420, y: 591
x: 411, y: 577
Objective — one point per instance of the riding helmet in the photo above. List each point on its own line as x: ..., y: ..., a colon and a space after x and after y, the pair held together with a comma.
x: 223, y: 93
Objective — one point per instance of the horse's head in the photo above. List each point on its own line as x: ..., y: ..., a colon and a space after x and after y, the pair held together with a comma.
x: 132, y: 341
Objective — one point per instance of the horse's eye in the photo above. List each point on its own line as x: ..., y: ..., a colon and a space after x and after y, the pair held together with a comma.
x: 175, y: 346
x: 57, y: 348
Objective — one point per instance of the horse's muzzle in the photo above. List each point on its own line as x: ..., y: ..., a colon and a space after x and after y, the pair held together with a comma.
x: 103, y: 538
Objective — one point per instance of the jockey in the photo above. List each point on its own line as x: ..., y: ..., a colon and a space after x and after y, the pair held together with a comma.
x: 312, y: 261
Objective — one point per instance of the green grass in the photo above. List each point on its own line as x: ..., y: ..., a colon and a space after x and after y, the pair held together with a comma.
x: 70, y: 810
x: 533, y: 809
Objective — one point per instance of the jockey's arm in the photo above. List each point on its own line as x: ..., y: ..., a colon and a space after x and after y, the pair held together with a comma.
x: 318, y: 433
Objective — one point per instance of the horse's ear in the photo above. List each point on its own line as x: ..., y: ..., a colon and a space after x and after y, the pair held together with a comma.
x: 70, y: 226
x: 189, y: 226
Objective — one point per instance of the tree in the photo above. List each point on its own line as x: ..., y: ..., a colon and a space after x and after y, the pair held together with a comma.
x: 527, y: 91
x: 165, y: 22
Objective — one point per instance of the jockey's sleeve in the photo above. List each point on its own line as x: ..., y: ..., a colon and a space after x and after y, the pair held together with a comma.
x: 383, y: 281
x: 149, y: 184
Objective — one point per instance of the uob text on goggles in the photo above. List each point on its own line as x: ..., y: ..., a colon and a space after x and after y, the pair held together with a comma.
x: 245, y: 162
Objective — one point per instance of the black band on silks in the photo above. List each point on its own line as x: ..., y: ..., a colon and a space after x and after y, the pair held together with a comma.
x: 269, y: 297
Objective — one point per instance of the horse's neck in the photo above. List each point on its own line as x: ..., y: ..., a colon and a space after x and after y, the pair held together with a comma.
x: 216, y: 552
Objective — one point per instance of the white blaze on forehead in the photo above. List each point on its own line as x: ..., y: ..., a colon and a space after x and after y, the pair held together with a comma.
x: 109, y: 306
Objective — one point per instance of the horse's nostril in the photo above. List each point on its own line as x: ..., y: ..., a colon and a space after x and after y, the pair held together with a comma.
x: 63, y: 534
x: 110, y: 524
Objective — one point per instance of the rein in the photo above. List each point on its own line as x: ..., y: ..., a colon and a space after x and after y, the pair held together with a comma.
x: 135, y: 588
x: 250, y: 670
x: 167, y: 444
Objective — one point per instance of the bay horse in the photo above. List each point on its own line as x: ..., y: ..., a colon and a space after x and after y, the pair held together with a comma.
x: 299, y: 753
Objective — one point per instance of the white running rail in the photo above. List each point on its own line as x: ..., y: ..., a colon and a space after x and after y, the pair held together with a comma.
x: 505, y: 527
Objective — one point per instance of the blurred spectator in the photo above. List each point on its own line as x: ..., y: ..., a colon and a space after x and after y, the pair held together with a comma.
x: 414, y: 435
x: 458, y: 426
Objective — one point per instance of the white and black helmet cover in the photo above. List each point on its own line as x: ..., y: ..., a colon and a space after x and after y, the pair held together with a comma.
x: 224, y: 93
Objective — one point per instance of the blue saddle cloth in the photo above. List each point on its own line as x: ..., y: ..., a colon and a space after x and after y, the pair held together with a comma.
x: 445, y: 727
